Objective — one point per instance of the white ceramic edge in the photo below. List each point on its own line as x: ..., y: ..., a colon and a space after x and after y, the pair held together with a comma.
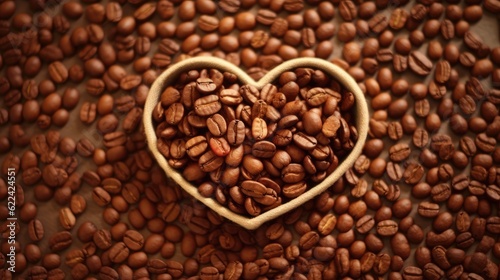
x: 252, y: 223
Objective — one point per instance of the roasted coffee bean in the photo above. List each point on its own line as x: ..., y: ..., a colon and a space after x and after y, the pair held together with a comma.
x: 412, y: 272
x: 474, y: 88
x: 473, y: 41
x: 432, y: 271
x: 387, y: 228
x: 428, y: 210
x: 253, y: 188
x: 58, y: 72
x: 35, y: 230
x: 233, y: 270
x: 382, y: 264
x: 492, y: 225
x: 95, y: 86
x: 398, y: 18
x: 485, y: 143
x: 400, y: 63
x: 384, y: 55
x: 378, y: 23
x: 446, y: 238
x: 441, y: 192
x: 196, y: 146
x: 419, y: 63
x: 230, y: 97
x: 133, y: 240
x: 365, y: 224
x: 442, y: 72
x: 66, y: 218
x: 399, y: 152
x: 60, y: 241
x: 118, y: 252
x: 235, y: 132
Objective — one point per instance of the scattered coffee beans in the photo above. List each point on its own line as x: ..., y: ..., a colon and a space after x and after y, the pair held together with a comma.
x: 75, y: 76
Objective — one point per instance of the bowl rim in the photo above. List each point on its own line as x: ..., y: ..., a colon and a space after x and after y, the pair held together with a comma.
x: 170, y: 74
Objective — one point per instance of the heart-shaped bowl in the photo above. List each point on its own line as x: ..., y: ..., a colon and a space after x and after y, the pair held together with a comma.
x: 169, y: 76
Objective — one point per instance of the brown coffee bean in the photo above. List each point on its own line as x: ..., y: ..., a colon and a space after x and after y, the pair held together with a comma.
x: 378, y: 23
x: 432, y: 271
x: 492, y: 225
x: 133, y: 240
x: 400, y: 245
x: 399, y: 152
x: 485, y: 143
x: 441, y: 192
x: 60, y: 241
x: 473, y: 41
x: 428, y: 210
x: 253, y: 188
x: 118, y: 252
x: 387, y: 228
x: 412, y: 272
x: 35, y: 230
x: 58, y: 72
x: 446, y: 238
x: 66, y: 218
x: 365, y: 224
x: 442, y: 72
x: 145, y: 11
x: 347, y: 10
x: 130, y: 81
x: 382, y: 263
x: 419, y: 63
x: 308, y: 240
x: 398, y: 18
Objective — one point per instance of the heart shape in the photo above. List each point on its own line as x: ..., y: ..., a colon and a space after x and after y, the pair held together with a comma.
x: 169, y: 76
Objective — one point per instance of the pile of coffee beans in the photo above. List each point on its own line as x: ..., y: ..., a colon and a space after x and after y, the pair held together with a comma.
x: 421, y: 202
x: 254, y: 149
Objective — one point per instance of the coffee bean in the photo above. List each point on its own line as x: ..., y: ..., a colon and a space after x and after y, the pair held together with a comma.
x: 133, y: 240
x: 467, y: 105
x: 130, y: 81
x: 233, y: 270
x: 95, y: 86
x: 387, y: 228
x: 428, y: 210
x: 412, y: 272
x: 442, y: 72
x: 485, y: 143
x: 419, y: 63
x: 101, y: 196
x: 253, y: 188
x: 432, y: 271
x: 35, y: 230
x: 378, y: 23
x: 66, y: 218
x: 365, y: 224
x: 441, y: 192
x: 60, y: 241
x: 446, y: 238
x: 347, y: 10
x: 473, y: 41
x: 399, y: 152
x: 58, y: 72
x: 398, y: 18
x: 492, y: 225
x: 382, y: 263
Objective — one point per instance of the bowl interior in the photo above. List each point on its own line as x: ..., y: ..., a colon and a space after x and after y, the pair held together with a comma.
x: 170, y: 75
